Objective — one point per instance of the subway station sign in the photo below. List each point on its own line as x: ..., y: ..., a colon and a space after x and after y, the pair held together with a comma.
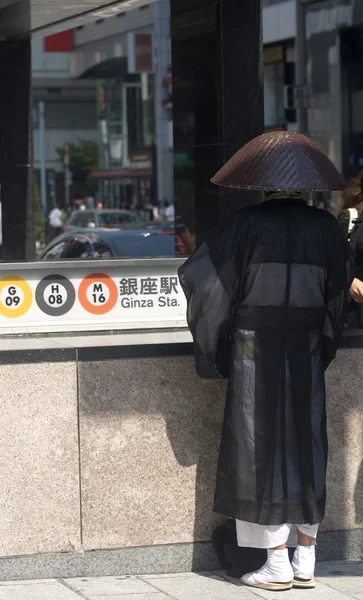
x: 91, y: 295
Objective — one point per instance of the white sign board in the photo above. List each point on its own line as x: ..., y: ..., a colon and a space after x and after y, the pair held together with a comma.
x: 78, y: 297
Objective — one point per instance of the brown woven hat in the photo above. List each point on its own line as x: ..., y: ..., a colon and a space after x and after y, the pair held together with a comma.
x: 280, y: 161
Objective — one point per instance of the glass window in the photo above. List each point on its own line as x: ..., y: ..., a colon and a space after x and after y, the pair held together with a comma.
x: 274, y: 81
x: 55, y: 252
x: 110, y: 143
x: 114, y: 219
x: 91, y: 219
x: 101, y: 248
x: 75, y: 220
x: 84, y: 219
x: 79, y: 247
x: 352, y: 98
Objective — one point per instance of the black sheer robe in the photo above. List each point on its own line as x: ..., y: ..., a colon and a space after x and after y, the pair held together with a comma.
x: 266, y: 297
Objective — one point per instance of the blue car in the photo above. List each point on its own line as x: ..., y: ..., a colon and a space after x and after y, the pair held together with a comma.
x: 147, y: 242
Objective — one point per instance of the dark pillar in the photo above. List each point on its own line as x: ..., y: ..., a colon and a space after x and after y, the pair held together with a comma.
x: 18, y: 229
x: 196, y: 119
x: 241, y: 83
x: 217, y: 100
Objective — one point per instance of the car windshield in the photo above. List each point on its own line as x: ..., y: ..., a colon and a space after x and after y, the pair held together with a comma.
x: 115, y: 219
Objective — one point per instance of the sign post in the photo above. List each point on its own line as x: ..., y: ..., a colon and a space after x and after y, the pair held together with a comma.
x: 51, y: 183
x: 67, y: 174
x: 43, y: 189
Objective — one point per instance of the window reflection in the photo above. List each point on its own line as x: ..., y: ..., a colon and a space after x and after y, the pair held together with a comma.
x: 103, y: 140
x: 150, y: 242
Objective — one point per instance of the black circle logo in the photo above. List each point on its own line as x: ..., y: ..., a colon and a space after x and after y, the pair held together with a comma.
x: 55, y: 295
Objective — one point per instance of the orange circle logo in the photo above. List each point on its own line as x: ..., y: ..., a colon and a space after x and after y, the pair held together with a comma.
x: 98, y: 293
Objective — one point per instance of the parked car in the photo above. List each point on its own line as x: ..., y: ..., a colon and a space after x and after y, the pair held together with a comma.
x: 92, y: 219
x: 113, y: 243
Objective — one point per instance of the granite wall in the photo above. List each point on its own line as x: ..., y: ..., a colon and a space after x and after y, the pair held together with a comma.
x: 39, y: 459
x: 114, y: 456
x: 149, y: 434
x: 345, y: 419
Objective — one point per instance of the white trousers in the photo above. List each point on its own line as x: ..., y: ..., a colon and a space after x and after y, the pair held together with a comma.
x: 252, y: 535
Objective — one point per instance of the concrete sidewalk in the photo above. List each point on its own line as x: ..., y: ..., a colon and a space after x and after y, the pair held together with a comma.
x: 336, y: 581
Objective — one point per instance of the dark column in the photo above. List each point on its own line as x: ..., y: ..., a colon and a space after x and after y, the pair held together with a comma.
x: 241, y: 83
x: 217, y: 100
x: 18, y: 229
x: 195, y: 59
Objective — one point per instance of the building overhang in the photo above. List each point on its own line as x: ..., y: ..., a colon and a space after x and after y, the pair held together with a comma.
x: 25, y: 18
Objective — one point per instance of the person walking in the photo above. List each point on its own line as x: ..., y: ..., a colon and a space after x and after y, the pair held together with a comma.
x: 56, y: 222
x: 266, y: 296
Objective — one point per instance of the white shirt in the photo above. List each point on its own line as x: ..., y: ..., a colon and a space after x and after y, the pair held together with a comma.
x: 170, y: 213
x: 55, y: 218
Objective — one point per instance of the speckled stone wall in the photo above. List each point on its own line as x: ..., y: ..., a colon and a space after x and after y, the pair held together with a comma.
x: 150, y: 433
x: 39, y: 461
x: 121, y: 453
x: 345, y: 420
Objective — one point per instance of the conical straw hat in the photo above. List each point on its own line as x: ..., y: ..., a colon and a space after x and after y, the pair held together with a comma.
x: 280, y: 161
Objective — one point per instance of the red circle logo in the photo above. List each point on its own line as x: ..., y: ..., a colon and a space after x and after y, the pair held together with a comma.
x: 98, y: 293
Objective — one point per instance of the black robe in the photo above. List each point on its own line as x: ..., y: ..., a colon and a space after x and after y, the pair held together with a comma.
x: 266, y: 297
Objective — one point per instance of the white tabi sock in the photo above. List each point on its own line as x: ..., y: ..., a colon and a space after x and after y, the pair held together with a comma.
x: 303, y: 562
x: 277, y: 570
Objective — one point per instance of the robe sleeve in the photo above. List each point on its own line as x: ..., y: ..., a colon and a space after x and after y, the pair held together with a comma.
x: 211, y: 279
x: 340, y: 277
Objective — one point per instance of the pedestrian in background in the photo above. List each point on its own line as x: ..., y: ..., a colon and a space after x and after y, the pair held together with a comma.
x: 351, y: 218
x: 56, y: 222
x: 266, y: 296
x: 169, y: 212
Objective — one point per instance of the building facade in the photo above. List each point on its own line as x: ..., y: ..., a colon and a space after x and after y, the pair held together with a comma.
x: 116, y: 89
x: 129, y: 57
x: 69, y: 106
x: 112, y: 84
x: 279, y: 31
x: 333, y: 81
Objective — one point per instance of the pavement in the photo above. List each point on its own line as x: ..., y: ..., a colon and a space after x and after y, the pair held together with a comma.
x: 336, y: 581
